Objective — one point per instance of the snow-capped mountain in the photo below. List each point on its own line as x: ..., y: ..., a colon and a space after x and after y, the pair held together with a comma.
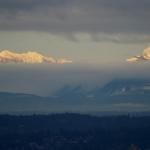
x: 124, y: 90
x: 124, y: 87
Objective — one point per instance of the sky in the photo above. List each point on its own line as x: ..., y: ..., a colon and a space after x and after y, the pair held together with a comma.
x: 96, y: 35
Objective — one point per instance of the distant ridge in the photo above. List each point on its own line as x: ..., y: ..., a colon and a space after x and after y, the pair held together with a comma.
x: 118, y: 95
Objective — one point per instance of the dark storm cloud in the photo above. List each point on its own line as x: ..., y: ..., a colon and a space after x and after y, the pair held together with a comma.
x: 74, y: 16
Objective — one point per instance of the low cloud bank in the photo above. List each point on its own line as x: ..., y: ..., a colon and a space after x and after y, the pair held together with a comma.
x: 145, y: 56
x: 7, y: 56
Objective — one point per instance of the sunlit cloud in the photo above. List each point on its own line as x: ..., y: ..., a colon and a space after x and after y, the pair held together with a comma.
x: 145, y: 56
x: 7, y: 56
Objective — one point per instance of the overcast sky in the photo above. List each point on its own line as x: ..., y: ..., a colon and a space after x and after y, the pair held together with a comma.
x: 98, y: 35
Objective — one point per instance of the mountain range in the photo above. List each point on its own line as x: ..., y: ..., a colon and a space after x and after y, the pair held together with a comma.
x: 128, y: 95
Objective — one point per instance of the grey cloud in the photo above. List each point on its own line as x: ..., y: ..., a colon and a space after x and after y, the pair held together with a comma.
x: 71, y: 16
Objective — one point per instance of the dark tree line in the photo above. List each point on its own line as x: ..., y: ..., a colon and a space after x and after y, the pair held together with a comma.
x: 73, y: 132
